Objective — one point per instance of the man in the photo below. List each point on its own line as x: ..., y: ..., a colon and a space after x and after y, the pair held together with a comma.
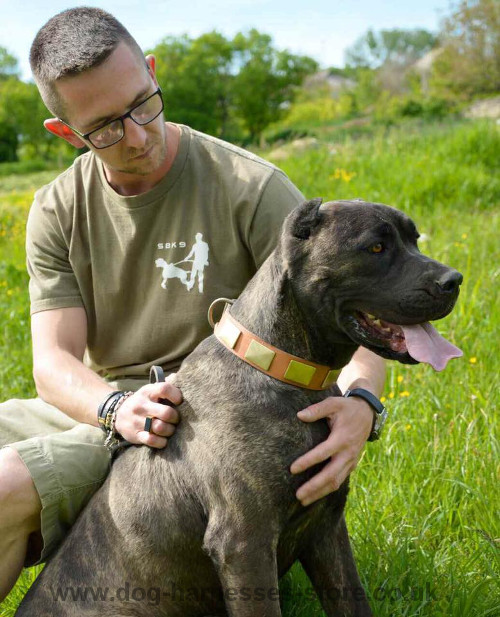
x: 100, y: 315
x: 199, y: 253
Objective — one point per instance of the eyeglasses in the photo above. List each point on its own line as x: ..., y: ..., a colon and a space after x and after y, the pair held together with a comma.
x: 111, y: 132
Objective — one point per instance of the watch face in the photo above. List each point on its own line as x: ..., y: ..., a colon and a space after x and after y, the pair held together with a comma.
x: 380, y: 419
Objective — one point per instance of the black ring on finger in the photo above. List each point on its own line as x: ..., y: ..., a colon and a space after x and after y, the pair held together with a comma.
x: 147, y: 424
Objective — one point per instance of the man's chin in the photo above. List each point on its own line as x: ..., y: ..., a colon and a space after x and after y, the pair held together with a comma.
x: 147, y: 165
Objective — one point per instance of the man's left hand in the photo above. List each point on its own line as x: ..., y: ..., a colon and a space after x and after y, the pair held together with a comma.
x: 350, y: 420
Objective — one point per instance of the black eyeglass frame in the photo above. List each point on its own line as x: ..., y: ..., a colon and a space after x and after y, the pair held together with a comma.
x: 129, y: 113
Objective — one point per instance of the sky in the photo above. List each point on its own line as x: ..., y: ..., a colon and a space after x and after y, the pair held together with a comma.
x: 322, y: 29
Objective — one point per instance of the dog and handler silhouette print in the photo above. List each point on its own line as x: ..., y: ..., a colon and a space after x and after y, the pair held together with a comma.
x: 198, y: 256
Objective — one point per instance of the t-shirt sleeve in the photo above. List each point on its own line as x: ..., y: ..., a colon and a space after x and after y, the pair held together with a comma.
x: 279, y: 197
x: 52, y: 280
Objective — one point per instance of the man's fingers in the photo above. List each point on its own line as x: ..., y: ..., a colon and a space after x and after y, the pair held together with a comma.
x: 163, y: 389
x: 163, y: 419
x: 163, y: 412
x: 152, y: 440
x: 168, y: 390
x: 350, y: 421
x: 317, y: 455
x: 170, y: 378
x: 321, y: 410
x: 326, y: 481
x: 164, y: 429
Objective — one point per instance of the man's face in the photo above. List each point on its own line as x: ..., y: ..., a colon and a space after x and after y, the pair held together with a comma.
x: 105, y: 93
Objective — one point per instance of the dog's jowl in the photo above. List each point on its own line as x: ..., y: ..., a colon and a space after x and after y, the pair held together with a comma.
x: 208, y: 525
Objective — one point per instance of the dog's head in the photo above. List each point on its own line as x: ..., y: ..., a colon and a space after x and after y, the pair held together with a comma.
x: 371, y: 285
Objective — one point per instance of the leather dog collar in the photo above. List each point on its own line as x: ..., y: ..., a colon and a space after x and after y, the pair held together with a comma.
x: 267, y: 358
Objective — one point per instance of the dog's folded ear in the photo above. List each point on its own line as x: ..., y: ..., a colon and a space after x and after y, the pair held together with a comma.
x: 304, y: 219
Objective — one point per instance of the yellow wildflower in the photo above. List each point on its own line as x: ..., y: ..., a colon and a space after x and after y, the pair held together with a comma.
x: 342, y: 174
x: 473, y: 360
x: 400, y: 378
x: 404, y: 393
x: 346, y: 176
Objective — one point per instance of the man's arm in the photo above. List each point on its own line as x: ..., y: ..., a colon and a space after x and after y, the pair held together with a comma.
x: 350, y: 421
x: 365, y: 370
x: 59, y: 340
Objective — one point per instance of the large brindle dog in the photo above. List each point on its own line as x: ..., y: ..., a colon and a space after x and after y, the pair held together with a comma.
x: 208, y: 525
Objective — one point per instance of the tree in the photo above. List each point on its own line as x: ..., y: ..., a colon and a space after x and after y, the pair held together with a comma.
x: 470, y: 59
x: 213, y: 84
x: 194, y: 75
x: 9, y: 66
x: 395, y: 47
x: 266, y: 80
x: 22, y: 109
x: 8, y: 142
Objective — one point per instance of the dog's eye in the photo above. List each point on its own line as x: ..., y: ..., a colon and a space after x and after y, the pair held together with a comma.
x: 377, y: 248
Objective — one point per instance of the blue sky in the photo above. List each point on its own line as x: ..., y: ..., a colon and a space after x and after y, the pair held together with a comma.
x: 319, y: 28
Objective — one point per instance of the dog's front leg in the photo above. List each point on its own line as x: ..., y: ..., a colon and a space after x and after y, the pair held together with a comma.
x: 329, y: 563
x: 246, y: 566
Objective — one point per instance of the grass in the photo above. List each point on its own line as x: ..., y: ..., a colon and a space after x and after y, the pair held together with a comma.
x: 423, y: 509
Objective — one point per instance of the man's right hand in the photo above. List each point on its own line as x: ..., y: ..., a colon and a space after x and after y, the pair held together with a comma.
x: 131, y: 415
x: 62, y: 379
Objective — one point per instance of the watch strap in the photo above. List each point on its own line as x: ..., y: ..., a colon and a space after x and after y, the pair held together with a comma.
x: 376, y: 405
x: 370, y: 398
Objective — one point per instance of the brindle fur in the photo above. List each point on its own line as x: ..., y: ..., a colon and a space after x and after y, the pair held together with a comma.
x: 216, y: 509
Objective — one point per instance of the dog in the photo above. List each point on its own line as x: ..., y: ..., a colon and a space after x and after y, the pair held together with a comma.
x: 208, y: 525
x: 170, y: 271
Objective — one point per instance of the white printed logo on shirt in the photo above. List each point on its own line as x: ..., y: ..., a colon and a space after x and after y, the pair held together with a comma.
x: 198, y: 256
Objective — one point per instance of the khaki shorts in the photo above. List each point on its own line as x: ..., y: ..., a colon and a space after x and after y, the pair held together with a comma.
x: 66, y: 460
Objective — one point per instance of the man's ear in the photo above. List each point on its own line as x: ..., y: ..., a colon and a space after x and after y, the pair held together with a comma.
x: 151, y: 62
x: 58, y: 128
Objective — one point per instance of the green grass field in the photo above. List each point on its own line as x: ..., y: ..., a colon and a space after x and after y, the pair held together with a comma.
x: 424, y: 506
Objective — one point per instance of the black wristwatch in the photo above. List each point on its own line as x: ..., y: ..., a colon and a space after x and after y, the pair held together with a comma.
x: 380, y: 415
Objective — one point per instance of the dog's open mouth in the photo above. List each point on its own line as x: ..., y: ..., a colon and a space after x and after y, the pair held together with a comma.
x: 421, y: 342
x: 389, y: 334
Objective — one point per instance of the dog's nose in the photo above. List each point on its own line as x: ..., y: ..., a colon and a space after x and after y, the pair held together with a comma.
x: 449, y: 282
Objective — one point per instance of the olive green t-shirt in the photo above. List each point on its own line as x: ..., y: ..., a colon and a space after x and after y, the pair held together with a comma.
x: 145, y: 268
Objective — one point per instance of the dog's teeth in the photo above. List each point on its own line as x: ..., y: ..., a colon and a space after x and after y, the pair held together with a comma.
x: 377, y: 322
x: 370, y: 316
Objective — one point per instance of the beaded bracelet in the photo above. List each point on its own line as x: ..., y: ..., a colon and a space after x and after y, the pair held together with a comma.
x: 112, y: 406
x: 103, y: 408
x: 113, y: 438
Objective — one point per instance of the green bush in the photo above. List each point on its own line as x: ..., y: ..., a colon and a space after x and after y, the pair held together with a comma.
x: 390, y: 108
x: 285, y: 134
x: 25, y: 167
x: 8, y: 142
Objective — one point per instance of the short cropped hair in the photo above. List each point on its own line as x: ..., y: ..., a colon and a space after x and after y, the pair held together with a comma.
x: 71, y: 42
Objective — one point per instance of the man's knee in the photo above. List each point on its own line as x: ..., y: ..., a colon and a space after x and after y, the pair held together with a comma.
x: 19, y: 501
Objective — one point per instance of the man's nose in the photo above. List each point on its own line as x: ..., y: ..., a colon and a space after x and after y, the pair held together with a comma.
x: 135, y: 135
x: 449, y: 282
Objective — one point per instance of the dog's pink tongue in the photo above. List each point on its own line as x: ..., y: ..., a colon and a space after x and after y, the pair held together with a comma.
x: 425, y: 344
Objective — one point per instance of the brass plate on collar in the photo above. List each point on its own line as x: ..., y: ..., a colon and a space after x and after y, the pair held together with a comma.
x: 259, y: 355
x: 228, y: 333
x: 330, y: 379
x: 299, y: 372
